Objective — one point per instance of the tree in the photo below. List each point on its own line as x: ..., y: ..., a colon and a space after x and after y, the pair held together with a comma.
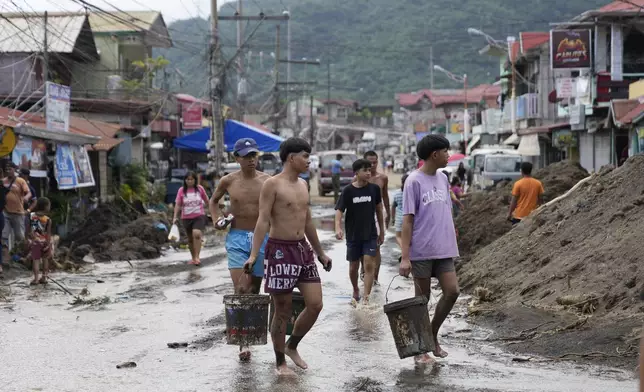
x: 147, y: 70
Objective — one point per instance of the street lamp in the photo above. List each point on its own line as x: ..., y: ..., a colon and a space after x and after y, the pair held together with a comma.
x: 490, y: 40
x: 513, y: 110
x: 466, y: 114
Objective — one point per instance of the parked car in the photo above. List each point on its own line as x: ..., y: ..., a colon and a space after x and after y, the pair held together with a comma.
x: 346, y: 176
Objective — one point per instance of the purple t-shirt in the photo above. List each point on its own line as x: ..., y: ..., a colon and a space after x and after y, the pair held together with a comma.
x: 428, y: 199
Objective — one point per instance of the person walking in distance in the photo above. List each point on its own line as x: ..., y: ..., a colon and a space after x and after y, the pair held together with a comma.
x: 14, y: 211
x: 289, y: 261
x: 382, y: 181
x: 526, y: 195
x: 397, y: 211
x: 243, y: 188
x: 336, y: 172
x: 428, y: 234
x: 39, y: 232
x: 190, y: 202
x: 361, y: 200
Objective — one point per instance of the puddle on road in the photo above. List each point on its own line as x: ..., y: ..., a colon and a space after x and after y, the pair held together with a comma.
x: 167, y: 301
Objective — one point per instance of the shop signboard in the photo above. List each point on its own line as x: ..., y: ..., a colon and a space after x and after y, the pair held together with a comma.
x: 31, y: 154
x: 73, y: 168
x: 570, y: 49
x: 7, y: 141
x: 191, y: 114
x: 58, y: 101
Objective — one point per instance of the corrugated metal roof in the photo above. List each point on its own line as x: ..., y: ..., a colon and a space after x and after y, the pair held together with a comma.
x: 123, y: 21
x: 25, y: 33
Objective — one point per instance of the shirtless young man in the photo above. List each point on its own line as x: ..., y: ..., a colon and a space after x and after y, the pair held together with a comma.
x: 243, y: 188
x: 289, y: 262
x: 382, y: 181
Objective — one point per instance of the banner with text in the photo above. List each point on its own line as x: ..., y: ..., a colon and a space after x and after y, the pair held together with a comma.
x: 57, y: 103
x: 570, y: 49
x: 73, y: 169
x: 191, y: 114
x: 31, y: 154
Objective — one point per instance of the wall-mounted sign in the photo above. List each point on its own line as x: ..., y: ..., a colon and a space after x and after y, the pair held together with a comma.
x: 570, y: 49
x: 7, y: 141
x: 191, y: 115
x: 73, y: 169
x: 58, y: 99
x: 31, y: 154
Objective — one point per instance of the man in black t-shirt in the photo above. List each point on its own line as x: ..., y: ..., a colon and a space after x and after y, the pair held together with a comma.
x: 361, y: 200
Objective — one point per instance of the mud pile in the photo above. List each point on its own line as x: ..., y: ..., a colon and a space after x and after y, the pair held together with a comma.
x: 581, y: 253
x: 485, y: 216
x: 112, y: 233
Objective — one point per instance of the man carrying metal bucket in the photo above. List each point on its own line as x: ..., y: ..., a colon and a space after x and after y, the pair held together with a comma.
x: 428, y: 234
x: 289, y: 261
x: 243, y: 187
x: 361, y: 200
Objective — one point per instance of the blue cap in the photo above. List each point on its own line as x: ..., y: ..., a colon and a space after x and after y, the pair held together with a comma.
x: 245, y: 146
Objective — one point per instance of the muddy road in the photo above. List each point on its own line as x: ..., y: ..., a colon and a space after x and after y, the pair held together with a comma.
x: 132, y: 312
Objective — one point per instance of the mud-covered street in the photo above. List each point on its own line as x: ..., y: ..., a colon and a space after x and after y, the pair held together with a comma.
x: 131, y: 312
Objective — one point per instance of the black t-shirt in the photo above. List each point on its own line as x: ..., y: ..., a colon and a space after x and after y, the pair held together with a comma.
x: 360, y: 206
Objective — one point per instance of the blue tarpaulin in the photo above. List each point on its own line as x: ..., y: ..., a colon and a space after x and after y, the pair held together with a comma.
x: 233, y: 131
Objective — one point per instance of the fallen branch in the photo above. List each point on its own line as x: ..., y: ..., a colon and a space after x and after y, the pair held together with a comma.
x: 61, y: 286
x: 535, y: 328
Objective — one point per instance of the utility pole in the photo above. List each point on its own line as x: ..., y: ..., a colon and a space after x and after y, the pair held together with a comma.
x: 513, y: 109
x: 288, y: 50
x: 466, y: 114
x: 216, y: 131
x: 276, y: 104
x: 431, y: 66
x: 328, y: 99
x: 45, y: 50
x: 241, y: 81
x: 312, y: 125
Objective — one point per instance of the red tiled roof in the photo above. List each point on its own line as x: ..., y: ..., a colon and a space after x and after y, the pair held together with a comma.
x: 624, y: 111
x: 623, y: 6
x: 341, y: 102
x: 443, y: 97
x: 533, y: 39
x: 78, y: 125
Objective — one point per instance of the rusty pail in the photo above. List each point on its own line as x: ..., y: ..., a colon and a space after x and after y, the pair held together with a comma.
x: 246, y: 319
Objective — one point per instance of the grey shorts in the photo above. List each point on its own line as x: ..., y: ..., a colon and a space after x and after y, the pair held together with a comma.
x: 13, y: 224
x: 425, y: 269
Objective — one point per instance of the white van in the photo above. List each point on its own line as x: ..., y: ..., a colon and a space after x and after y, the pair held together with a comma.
x: 493, y: 164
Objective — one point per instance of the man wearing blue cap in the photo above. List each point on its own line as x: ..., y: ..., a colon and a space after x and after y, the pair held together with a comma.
x: 243, y: 188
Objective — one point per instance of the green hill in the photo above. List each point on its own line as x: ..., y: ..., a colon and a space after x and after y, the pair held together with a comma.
x: 376, y: 47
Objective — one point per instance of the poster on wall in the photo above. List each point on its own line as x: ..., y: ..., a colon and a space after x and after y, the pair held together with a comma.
x: 31, y: 154
x: 73, y: 169
x: 7, y: 141
x: 570, y: 49
x: 58, y: 100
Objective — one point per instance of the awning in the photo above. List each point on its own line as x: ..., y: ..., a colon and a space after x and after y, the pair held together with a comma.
x: 63, y: 137
x: 233, y: 131
x: 543, y: 129
x: 529, y: 145
x: 475, y: 139
x: 513, y: 140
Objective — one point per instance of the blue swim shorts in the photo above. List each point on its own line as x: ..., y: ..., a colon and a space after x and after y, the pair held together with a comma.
x: 238, y: 246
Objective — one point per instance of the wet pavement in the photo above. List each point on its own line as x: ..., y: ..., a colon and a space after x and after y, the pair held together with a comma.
x: 49, y: 345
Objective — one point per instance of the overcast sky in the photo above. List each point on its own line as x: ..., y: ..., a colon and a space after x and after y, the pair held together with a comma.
x: 172, y: 10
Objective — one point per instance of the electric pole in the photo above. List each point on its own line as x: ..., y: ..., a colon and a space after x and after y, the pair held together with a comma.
x: 312, y: 125
x: 216, y: 131
x: 288, y: 50
x: 241, y: 81
x: 45, y: 54
x: 276, y: 104
x: 431, y: 66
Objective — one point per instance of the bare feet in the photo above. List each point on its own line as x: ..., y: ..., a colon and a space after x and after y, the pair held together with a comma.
x: 194, y: 262
x: 244, y: 354
x: 295, y: 357
x: 423, y: 359
x: 34, y: 282
x: 284, y: 370
x: 438, y: 351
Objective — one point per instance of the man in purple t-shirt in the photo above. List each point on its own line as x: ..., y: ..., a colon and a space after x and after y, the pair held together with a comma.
x: 428, y: 234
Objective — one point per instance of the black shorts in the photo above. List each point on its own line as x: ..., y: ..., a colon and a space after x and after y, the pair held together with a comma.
x: 357, y: 249
x: 198, y: 223
x: 425, y: 269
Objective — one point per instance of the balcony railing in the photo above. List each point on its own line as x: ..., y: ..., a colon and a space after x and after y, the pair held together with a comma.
x: 114, y: 85
x: 527, y: 107
x: 608, y: 89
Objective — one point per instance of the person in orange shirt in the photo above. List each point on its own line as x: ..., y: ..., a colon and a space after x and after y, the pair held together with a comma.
x: 526, y: 195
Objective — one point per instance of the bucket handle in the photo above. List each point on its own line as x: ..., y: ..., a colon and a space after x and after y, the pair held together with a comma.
x: 392, y: 280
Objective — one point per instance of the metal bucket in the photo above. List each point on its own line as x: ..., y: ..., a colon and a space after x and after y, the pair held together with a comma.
x: 410, y: 326
x: 246, y: 319
x: 296, y: 308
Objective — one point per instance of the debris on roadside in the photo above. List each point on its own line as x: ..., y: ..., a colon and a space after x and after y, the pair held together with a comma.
x: 485, y: 216
x: 78, y: 301
x: 580, y: 254
x: 177, y: 344
x: 126, y: 365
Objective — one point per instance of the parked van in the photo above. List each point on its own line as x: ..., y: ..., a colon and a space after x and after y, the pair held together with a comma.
x: 324, y: 179
x: 493, y: 164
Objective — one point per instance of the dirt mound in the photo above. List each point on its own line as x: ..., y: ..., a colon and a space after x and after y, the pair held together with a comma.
x: 484, y: 219
x: 110, y: 233
x: 581, y: 253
